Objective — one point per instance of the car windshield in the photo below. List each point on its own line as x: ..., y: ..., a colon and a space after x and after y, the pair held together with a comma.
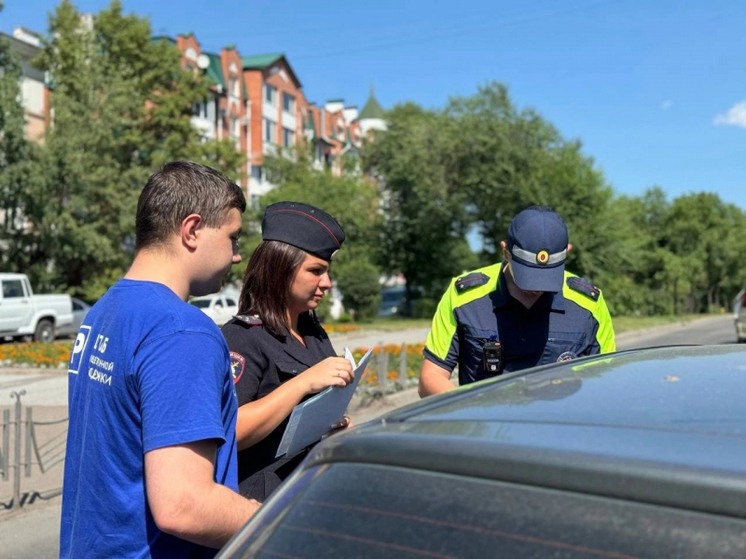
x: 200, y: 303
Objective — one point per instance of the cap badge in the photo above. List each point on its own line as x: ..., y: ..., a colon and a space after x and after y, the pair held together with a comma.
x: 542, y: 258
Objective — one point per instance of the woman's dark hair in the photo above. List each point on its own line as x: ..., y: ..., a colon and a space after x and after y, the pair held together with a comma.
x: 266, y: 283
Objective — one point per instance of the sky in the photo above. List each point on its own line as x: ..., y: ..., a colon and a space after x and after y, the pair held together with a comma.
x: 655, y: 91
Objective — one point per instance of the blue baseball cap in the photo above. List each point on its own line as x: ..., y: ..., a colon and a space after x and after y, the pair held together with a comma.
x: 537, y: 242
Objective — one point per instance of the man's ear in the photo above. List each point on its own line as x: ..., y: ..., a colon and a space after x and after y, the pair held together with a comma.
x: 189, y: 230
x: 506, y: 253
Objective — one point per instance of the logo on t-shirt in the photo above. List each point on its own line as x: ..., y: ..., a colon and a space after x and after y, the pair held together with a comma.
x: 238, y: 362
x: 76, y: 355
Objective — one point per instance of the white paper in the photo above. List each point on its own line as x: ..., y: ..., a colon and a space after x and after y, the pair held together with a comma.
x: 312, y: 419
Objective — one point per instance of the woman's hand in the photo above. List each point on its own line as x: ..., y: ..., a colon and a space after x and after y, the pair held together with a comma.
x: 332, y: 371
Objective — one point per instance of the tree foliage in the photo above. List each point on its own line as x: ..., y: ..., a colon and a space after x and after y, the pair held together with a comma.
x: 475, y: 164
x: 122, y: 107
x: 354, y: 202
x: 435, y: 180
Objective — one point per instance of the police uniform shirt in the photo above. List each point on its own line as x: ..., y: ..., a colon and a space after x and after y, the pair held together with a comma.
x: 478, y: 308
x: 261, y: 362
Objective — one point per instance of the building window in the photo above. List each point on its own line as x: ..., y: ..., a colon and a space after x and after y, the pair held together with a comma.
x: 270, y: 95
x: 288, y: 103
x: 288, y: 137
x: 235, y: 130
x: 256, y: 173
x: 270, y: 131
x: 234, y: 87
x: 255, y: 201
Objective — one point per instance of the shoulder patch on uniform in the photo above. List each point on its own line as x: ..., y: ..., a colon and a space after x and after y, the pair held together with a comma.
x: 584, y: 286
x: 468, y: 281
x: 250, y: 319
x: 238, y: 362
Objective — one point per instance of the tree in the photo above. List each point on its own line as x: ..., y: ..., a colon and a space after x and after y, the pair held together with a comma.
x: 354, y: 202
x: 358, y: 280
x: 122, y: 107
x: 16, y: 156
x: 425, y: 215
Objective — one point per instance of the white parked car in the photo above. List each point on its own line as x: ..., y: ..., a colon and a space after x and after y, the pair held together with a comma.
x: 25, y: 315
x: 221, y: 308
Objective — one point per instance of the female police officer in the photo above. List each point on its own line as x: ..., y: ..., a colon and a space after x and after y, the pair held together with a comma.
x: 280, y: 354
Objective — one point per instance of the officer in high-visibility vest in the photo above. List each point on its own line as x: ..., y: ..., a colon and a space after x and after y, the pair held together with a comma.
x: 523, y: 312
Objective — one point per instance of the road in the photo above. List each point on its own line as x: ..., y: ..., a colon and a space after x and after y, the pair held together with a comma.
x: 33, y: 533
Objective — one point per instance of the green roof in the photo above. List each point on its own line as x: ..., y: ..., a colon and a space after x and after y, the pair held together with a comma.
x: 214, y: 71
x: 372, y: 109
x: 160, y: 38
x: 260, y: 61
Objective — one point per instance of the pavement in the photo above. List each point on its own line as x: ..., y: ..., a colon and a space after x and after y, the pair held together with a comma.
x: 46, y: 393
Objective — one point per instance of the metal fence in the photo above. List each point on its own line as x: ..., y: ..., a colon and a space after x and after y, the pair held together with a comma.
x: 391, y: 369
x: 27, y: 450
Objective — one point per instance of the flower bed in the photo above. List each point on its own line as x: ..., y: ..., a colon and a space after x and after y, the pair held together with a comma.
x: 36, y: 354
x: 341, y: 328
x: 393, y: 382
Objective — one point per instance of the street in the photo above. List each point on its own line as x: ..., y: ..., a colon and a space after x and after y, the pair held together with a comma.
x: 34, y: 531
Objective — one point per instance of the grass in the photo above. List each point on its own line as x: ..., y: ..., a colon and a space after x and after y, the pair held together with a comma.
x: 379, y: 324
x: 629, y: 323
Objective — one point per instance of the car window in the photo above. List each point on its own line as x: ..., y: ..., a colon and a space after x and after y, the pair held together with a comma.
x: 377, y: 512
x: 230, y: 302
x: 200, y: 303
x: 77, y: 306
x: 219, y: 303
x: 391, y: 296
x: 12, y: 289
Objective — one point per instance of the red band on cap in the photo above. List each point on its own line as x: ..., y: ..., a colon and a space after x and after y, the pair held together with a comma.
x: 316, y: 220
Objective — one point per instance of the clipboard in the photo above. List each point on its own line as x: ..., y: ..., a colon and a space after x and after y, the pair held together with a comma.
x: 312, y: 419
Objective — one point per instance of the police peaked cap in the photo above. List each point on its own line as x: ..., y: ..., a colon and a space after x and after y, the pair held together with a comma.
x: 304, y: 227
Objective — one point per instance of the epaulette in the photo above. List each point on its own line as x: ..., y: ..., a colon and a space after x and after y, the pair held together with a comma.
x: 468, y: 281
x: 250, y: 319
x: 583, y: 286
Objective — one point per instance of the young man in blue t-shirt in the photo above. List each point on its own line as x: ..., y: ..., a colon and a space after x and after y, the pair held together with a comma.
x: 150, y: 469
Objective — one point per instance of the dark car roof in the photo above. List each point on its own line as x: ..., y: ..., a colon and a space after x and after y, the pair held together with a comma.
x: 665, y: 425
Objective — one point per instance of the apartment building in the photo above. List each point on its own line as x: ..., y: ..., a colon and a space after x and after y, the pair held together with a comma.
x: 255, y: 101
x: 277, y: 116
x: 224, y: 114
x: 35, y: 95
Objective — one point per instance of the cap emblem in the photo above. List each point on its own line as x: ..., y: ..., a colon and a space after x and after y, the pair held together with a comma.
x: 542, y: 257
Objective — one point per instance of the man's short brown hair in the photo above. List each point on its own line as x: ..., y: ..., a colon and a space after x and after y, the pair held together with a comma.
x: 179, y: 189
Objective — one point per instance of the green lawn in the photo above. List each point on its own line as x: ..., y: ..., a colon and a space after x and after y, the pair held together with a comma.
x: 628, y: 323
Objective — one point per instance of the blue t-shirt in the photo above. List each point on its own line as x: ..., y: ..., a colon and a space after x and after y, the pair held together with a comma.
x: 147, y: 371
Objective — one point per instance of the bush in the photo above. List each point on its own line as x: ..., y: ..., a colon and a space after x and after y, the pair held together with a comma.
x: 424, y: 307
x: 357, y: 280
